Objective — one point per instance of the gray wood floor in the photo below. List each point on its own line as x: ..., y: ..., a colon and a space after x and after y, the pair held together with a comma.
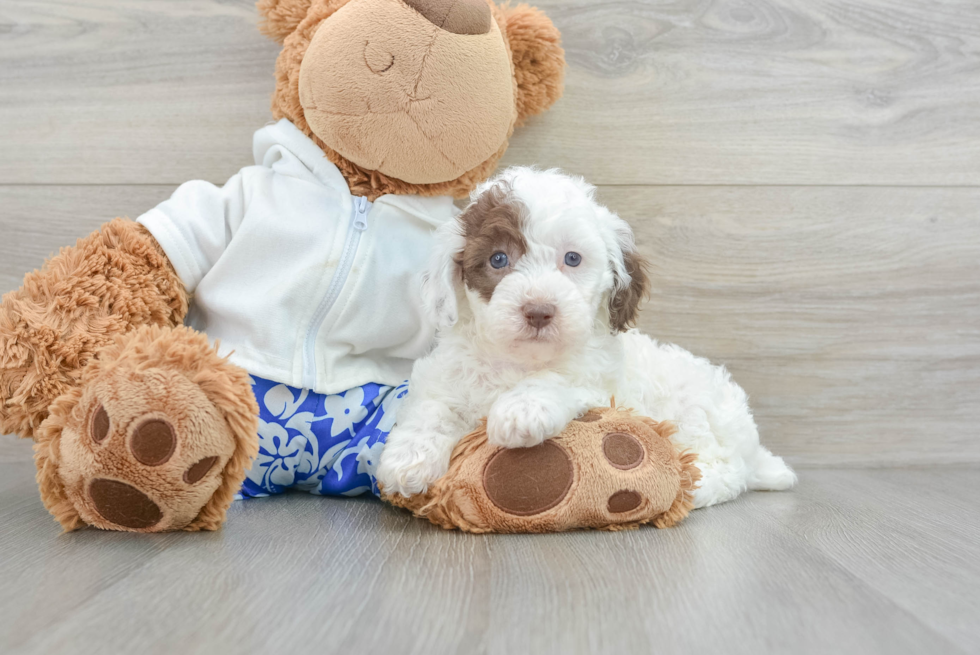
x: 804, y: 176
x: 854, y: 561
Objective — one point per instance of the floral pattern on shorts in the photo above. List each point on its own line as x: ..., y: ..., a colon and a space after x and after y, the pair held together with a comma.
x: 323, y: 444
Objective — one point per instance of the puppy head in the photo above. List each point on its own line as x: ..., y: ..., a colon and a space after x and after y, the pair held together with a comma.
x: 538, y: 265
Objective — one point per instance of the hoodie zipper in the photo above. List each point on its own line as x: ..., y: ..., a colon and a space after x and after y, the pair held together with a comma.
x: 358, y: 224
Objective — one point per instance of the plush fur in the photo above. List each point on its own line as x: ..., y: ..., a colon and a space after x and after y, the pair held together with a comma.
x: 662, y: 481
x: 111, y: 282
x: 531, y: 380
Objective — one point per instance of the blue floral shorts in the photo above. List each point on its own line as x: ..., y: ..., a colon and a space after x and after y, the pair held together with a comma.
x: 323, y: 444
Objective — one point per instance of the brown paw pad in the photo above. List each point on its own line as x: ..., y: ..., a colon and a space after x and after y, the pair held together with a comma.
x: 122, y: 504
x: 590, y: 416
x: 624, y: 501
x: 624, y: 451
x: 528, y: 481
x: 153, y: 442
x: 199, y: 470
x: 99, y: 426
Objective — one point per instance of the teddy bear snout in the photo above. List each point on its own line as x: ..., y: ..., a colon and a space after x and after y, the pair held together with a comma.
x: 455, y: 16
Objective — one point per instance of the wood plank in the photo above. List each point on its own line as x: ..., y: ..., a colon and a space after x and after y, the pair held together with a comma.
x: 765, y: 92
x: 297, y: 570
x: 910, y: 534
x: 841, y: 273
x: 826, y: 412
x: 687, y: 92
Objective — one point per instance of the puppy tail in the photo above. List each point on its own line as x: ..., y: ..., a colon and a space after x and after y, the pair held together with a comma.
x: 771, y: 473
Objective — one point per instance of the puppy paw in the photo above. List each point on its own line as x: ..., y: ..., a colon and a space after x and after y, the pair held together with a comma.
x: 410, y: 463
x: 522, y: 420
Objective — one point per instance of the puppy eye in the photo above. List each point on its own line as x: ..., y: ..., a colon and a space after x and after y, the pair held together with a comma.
x: 572, y: 259
x: 498, y: 260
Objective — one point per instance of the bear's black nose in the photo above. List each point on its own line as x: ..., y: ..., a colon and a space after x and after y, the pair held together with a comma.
x: 456, y: 16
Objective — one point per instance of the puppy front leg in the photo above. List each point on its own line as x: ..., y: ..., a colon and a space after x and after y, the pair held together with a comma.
x: 535, y: 410
x: 417, y: 451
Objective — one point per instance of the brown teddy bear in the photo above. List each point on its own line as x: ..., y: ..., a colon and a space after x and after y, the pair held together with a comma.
x: 301, y: 269
x: 608, y: 470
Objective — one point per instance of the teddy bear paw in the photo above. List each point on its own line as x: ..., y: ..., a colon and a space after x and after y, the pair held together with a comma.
x: 156, y: 437
x: 144, y: 453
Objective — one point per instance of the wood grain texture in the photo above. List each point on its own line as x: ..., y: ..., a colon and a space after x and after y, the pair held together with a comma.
x: 890, y: 530
x: 681, y: 92
x: 852, y: 562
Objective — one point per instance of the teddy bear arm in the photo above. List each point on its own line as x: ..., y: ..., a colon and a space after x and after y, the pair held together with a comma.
x: 111, y: 282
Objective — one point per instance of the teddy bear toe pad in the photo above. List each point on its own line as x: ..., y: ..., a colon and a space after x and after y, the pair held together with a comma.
x: 528, y: 481
x: 123, y: 504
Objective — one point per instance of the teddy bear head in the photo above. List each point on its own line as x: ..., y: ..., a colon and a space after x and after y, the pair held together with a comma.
x: 412, y: 96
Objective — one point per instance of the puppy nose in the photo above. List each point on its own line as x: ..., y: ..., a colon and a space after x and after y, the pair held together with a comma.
x: 456, y: 16
x: 538, y: 316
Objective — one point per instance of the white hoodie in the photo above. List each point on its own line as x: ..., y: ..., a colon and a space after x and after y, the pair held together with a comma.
x: 300, y: 281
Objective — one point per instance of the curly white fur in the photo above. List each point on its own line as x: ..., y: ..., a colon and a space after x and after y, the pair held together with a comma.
x: 530, y: 383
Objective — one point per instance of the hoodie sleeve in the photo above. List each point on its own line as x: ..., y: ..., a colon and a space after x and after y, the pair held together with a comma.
x: 196, y: 224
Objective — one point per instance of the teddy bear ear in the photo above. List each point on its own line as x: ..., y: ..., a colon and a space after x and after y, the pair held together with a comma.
x: 280, y: 17
x: 539, y: 61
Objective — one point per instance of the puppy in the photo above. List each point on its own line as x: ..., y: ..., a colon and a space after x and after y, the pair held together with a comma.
x: 534, y: 288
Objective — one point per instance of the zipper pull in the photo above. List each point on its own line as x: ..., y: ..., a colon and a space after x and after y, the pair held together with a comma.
x: 360, y: 213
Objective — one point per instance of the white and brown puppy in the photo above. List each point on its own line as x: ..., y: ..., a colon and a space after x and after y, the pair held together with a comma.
x: 534, y: 288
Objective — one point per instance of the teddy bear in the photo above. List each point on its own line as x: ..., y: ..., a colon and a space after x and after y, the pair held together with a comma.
x: 241, y: 340
x: 610, y: 469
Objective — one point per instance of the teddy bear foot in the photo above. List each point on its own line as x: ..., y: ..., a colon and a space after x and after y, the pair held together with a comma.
x: 156, y: 437
x: 608, y: 470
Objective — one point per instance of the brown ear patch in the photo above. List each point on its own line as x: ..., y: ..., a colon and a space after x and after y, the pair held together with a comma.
x: 624, y: 304
x: 528, y: 481
x: 100, y: 425
x: 153, y: 442
x: 124, y: 505
x: 492, y: 223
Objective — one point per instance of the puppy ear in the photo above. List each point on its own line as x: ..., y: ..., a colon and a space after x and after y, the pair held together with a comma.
x: 629, y: 268
x: 539, y: 61
x: 439, y: 282
x: 281, y: 17
x: 629, y: 292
